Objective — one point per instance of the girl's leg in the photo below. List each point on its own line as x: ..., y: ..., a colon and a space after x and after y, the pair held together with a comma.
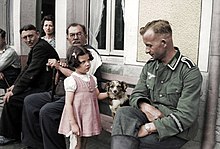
x: 83, y: 142
x: 78, y: 146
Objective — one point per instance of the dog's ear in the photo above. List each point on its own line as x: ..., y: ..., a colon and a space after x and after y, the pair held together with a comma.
x: 107, y: 85
x: 124, y: 86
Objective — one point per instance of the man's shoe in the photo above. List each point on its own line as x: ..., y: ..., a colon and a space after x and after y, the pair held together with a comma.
x: 4, y: 140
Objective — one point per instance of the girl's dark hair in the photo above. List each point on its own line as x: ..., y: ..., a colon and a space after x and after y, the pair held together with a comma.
x: 73, y: 54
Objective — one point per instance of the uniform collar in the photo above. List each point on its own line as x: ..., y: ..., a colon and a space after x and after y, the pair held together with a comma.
x: 175, y: 60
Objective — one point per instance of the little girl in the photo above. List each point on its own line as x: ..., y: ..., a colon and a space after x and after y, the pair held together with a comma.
x: 81, y: 115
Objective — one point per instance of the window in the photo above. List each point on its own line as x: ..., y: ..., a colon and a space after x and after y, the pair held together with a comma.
x: 106, y: 27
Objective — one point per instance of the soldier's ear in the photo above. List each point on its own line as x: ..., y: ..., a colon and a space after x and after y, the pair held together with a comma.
x: 163, y: 41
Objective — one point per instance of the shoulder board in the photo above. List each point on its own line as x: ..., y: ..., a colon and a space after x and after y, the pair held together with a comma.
x: 150, y: 60
x: 188, y: 62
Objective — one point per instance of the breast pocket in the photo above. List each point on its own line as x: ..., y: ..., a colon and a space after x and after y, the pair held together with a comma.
x: 173, y: 92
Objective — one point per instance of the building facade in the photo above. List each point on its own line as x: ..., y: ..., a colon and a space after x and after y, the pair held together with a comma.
x: 113, y: 29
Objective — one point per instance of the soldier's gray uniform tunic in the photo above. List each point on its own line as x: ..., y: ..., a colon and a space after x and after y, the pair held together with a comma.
x: 175, y: 90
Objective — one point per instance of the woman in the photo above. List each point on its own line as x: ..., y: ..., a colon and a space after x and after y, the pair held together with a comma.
x: 48, y: 25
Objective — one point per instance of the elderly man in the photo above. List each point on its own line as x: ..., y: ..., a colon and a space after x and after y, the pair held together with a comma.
x: 165, y: 100
x: 41, y: 117
x: 33, y: 78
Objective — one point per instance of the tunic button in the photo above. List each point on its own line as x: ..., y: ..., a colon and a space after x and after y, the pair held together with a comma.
x: 161, y: 81
x: 161, y: 95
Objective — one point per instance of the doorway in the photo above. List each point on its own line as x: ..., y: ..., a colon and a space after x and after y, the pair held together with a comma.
x: 44, y: 7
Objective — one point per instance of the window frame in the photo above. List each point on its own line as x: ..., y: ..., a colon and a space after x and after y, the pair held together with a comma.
x: 10, y: 22
x: 110, y: 29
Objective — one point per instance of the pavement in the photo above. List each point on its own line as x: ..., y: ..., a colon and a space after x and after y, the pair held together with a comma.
x: 16, y: 145
x: 93, y: 143
x: 102, y: 141
x: 13, y: 146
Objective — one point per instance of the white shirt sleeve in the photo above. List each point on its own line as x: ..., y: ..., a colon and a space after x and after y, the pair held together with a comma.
x: 95, y: 79
x: 70, y: 84
x: 95, y: 63
x: 7, y: 59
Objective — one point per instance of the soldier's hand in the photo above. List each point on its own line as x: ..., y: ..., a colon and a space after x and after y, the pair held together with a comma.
x: 150, y: 111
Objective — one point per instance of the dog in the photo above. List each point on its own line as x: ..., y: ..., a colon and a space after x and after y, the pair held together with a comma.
x: 117, y: 94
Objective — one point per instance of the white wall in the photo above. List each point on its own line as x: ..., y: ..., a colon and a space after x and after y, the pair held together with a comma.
x: 61, y: 27
x: 205, y: 32
x: 16, y: 25
x: 132, y: 28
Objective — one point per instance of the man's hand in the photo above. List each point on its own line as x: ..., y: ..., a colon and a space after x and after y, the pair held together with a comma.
x: 63, y: 64
x: 10, y: 88
x: 146, y: 129
x: 7, y: 96
x: 53, y: 63
x: 151, y: 112
x: 56, y: 64
x: 1, y: 76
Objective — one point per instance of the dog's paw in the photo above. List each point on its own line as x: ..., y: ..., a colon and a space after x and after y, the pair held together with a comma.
x: 115, y: 104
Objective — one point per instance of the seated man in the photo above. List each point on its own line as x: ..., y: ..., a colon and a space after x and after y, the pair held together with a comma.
x: 33, y: 78
x: 41, y: 117
x: 165, y: 100
x: 9, y: 63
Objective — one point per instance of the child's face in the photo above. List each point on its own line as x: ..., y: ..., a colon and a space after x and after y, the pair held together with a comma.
x: 85, y: 64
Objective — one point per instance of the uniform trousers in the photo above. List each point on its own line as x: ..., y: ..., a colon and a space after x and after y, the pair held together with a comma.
x: 127, y: 122
x: 11, y: 118
x: 40, y: 123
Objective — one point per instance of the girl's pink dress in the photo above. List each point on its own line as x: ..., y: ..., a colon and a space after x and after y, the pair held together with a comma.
x: 86, y: 110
